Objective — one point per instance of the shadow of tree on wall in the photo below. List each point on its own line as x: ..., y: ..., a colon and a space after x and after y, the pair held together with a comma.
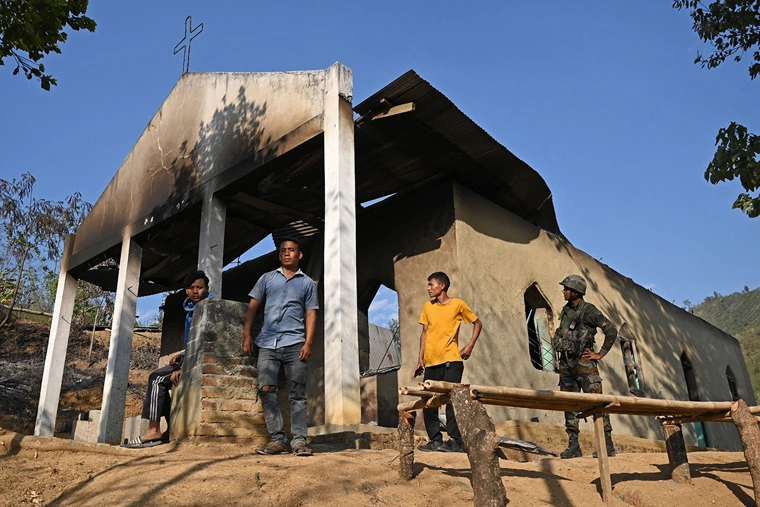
x: 232, y: 137
x: 664, y: 332
x: 234, y: 134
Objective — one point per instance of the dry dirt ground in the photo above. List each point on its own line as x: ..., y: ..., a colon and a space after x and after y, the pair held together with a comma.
x: 56, y: 472
x: 60, y: 472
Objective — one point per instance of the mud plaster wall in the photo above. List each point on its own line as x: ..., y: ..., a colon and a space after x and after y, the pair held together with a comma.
x: 401, y: 241
x: 500, y: 255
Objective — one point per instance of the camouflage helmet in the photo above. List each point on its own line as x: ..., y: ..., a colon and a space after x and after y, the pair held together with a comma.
x: 575, y: 282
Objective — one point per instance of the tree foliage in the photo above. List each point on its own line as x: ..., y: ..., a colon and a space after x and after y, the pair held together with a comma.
x: 395, y: 329
x: 737, y: 314
x: 34, y: 228
x: 732, y: 27
x: 31, y: 29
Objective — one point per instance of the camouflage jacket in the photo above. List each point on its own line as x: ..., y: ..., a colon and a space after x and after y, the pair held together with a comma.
x: 592, y: 319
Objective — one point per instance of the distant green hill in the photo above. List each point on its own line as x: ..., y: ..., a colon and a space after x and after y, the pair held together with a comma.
x: 737, y: 314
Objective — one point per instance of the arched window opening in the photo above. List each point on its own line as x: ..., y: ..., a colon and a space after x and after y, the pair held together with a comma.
x: 691, y: 387
x: 632, y: 361
x: 732, y: 383
x: 538, y: 319
x: 383, y: 341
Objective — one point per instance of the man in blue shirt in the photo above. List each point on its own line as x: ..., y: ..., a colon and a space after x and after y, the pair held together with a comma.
x: 157, y: 400
x: 290, y: 319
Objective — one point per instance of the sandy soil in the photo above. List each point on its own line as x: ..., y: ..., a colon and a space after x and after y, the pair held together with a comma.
x: 77, y: 474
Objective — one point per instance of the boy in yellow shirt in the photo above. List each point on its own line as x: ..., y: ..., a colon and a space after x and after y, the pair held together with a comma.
x: 440, y: 356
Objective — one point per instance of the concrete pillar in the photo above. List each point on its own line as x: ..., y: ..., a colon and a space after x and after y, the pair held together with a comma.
x: 211, y: 247
x: 52, y: 375
x: 342, y: 383
x: 120, y: 348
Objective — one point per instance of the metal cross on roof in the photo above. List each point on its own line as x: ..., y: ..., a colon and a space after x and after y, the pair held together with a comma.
x: 185, y: 46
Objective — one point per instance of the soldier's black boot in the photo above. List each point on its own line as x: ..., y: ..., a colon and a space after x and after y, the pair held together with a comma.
x: 611, y: 451
x: 573, y: 447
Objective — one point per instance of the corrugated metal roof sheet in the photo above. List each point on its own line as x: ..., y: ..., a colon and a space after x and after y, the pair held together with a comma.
x: 496, y: 173
x: 384, y: 351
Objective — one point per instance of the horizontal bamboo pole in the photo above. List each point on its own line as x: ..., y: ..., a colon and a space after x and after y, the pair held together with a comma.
x: 30, y: 312
x: 560, y: 407
x: 518, y: 404
x: 658, y: 407
x: 408, y: 391
x: 694, y: 418
x: 439, y: 386
x: 698, y: 418
x: 580, y: 402
x: 435, y: 401
x: 590, y: 409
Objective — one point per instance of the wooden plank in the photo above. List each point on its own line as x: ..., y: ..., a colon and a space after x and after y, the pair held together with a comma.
x: 393, y: 111
x: 604, y: 460
x: 273, y: 207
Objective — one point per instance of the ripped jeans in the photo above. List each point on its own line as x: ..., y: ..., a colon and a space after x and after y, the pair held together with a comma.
x: 269, y: 364
x: 577, y: 375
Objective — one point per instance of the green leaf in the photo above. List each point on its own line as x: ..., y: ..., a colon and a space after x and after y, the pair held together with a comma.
x: 30, y: 30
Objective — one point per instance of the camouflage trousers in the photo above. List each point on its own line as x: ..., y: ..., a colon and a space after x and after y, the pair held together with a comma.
x: 577, y: 375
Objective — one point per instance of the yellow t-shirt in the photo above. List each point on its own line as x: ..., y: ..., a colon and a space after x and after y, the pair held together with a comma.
x: 442, y: 340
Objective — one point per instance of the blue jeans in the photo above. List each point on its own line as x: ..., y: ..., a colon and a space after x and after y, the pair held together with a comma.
x: 270, y: 361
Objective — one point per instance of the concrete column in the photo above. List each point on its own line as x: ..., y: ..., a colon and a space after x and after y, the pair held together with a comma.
x: 120, y: 348
x: 52, y: 375
x: 211, y: 247
x: 342, y: 383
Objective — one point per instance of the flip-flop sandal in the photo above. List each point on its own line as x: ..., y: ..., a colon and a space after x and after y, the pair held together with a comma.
x: 138, y: 443
x: 272, y: 449
x: 302, y: 449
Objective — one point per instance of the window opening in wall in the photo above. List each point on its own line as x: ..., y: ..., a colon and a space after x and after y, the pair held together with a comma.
x: 732, y: 383
x: 691, y: 387
x: 538, y: 319
x: 631, y: 361
x: 384, y: 337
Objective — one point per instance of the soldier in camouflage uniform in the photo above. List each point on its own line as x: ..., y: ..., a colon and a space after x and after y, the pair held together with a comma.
x: 574, y: 345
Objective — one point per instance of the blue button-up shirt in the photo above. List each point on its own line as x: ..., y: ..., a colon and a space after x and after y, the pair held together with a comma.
x: 285, y: 304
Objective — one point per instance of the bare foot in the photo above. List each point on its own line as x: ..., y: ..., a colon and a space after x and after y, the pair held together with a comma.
x: 149, y: 435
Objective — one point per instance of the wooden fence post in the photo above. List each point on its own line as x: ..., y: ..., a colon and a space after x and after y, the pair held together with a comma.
x: 604, y: 460
x: 480, y: 442
x: 749, y: 433
x: 406, y: 422
x: 677, y: 458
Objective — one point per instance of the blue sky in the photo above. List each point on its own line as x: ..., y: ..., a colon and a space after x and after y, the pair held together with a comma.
x: 601, y: 98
